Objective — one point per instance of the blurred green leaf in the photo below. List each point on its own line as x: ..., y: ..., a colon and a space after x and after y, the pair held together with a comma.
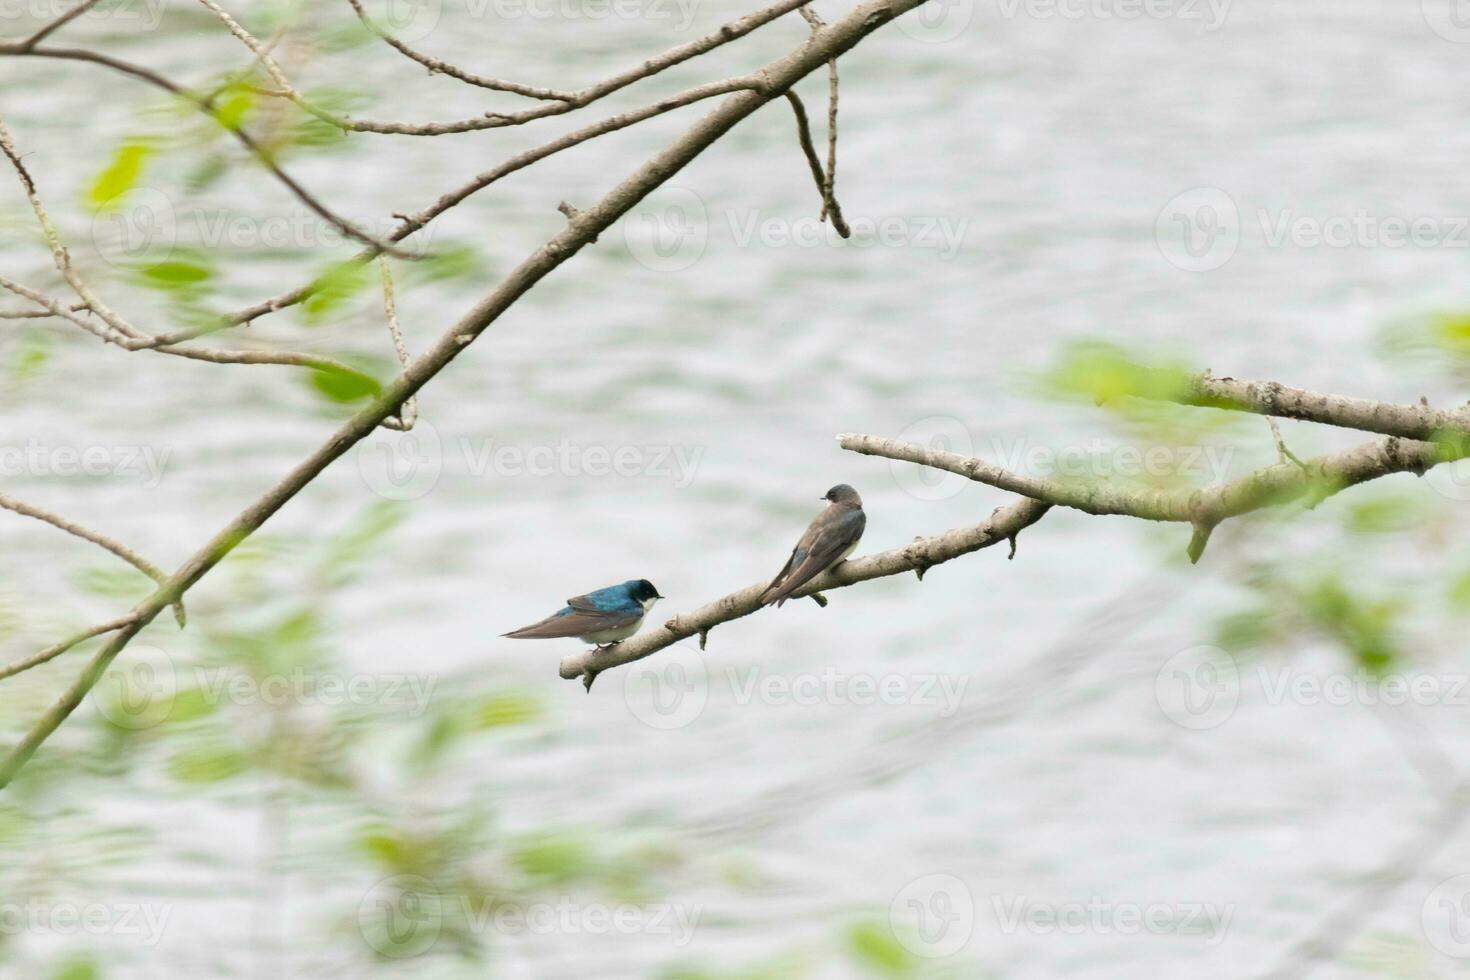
x: 874, y: 945
x: 77, y: 966
x: 342, y: 386
x: 207, y: 764
x: 232, y: 106
x: 504, y: 709
x: 119, y: 176
x: 559, y: 859
x: 1102, y: 372
x: 334, y: 288
x: 176, y: 272
x: 31, y: 354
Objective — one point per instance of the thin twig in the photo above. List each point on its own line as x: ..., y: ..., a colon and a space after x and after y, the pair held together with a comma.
x: 58, y: 24
x: 408, y: 412
x: 52, y: 652
x: 102, y: 541
x: 573, y: 237
x: 804, y: 134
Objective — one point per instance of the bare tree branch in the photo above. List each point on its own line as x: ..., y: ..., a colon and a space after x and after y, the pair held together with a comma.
x: 206, y: 106
x: 122, y: 551
x: 919, y: 556
x: 1272, y: 398
x: 52, y: 652
x: 57, y: 24
x: 830, y: 207
x: 780, y: 75
x: 1204, y: 509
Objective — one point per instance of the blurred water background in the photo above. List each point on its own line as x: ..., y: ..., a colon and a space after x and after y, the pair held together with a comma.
x: 1011, y: 169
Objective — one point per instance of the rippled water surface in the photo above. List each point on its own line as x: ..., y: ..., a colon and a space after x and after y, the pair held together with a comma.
x: 1007, y: 183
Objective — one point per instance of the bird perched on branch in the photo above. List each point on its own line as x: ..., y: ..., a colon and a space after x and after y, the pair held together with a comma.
x: 602, y: 618
x: 828, y: 540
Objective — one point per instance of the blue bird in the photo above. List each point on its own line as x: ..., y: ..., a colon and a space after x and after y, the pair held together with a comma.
x: 829, y: 539
x: 602, y: 618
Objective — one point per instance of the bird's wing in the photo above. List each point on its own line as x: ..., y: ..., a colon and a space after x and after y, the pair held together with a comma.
x: 823, y: 544
x: 609, y: 600
x: 575, y: 622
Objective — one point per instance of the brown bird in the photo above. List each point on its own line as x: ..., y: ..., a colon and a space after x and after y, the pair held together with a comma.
x: 828, y: 540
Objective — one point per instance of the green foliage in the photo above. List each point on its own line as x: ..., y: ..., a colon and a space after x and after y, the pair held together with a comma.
x: 207, y: 763
x: 120, y: 176
x: 873, y: 946
x: 1104, y: 373
x: 32, y: 353
x: 334, y: 288
x: 77, y: 966
x: 344, y: 387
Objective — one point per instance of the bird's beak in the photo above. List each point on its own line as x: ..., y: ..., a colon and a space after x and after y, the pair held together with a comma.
x: 657, y: 596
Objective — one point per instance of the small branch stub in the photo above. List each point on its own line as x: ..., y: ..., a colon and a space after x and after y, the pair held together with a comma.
x: 1198, y: 540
